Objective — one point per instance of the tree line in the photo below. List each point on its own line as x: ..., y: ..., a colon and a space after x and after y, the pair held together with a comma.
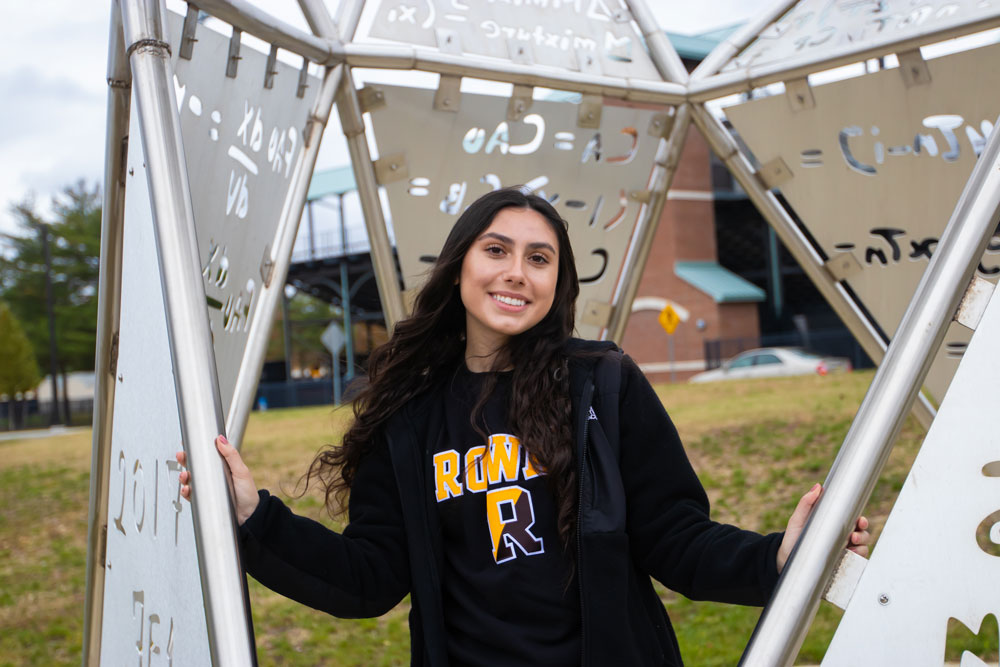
x: 73, y: 230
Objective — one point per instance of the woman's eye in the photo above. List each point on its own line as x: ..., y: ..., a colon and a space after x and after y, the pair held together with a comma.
x: 494, y: 250
x: 538, y: 259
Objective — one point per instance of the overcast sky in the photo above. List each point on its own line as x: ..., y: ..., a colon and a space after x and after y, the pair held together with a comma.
x: 53, y: 60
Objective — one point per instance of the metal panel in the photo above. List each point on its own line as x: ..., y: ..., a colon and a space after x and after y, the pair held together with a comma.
x: 242, y: 141
x: 876, y: 169
x: 564, y: 35
x: 785, y: 621
x: 152, y: 588
x: 820, y: 27
x: 456, y: 157
x: 937, y: 557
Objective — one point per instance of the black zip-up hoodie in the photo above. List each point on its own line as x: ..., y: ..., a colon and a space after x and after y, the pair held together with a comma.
x: 642, y: 513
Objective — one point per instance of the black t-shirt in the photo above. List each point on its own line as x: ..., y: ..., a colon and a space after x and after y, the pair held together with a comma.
x: 507, y: 599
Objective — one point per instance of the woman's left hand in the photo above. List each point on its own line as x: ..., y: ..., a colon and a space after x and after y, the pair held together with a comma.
x: 857, y: 541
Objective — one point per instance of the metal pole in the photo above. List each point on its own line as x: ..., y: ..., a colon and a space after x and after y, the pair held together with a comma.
x: 774, y: 269
x: 345, y: 291
x: 286, y: 331
x: 347, y: 17
x: 673, y: 369
x: 53, y: 352
x: 193, y: 358
x: 252, y: 20
x: 740, y: 39
x: 108, y: 316
x: 407, y: 57
x: 798, y: 245
x: 668, y: 156
x: 897, y: 382
x: 364, y: 175
x: 797, y: 67
x: 319, y: 19
x: 312, y: 231
x: 281, y: 257
x: 335, y: 363
x: 664, y: 56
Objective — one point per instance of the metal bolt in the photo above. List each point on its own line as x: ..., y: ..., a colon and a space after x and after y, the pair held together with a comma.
x: 883, y: 599
x: 119, y: 377
x: 590, y: 115
x: 131, y: 171
x: 393, y: 166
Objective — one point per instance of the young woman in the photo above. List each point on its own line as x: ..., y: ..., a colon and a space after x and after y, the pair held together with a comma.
x: 521, y: 484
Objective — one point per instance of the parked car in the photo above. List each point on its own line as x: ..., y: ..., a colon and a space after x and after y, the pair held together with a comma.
x: 774, y: 362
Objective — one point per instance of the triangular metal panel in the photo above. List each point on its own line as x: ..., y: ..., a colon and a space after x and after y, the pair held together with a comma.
x: 937, y: 557
x: 817, y: 29
x: 241, y: 141
x: 152, y: 588
x: 592, y: 36
x: 874, y: 169
x: 596, y: 178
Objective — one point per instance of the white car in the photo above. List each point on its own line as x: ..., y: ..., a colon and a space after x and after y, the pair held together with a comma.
x: 774, y: 362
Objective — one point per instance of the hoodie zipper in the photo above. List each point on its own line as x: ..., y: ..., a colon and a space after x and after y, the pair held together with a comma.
x: 588, y: 395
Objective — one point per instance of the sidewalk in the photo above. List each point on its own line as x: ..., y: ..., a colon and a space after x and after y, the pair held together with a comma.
x: 29, y: 434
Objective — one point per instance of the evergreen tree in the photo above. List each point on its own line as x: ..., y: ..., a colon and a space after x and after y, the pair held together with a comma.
x: 74, y: 243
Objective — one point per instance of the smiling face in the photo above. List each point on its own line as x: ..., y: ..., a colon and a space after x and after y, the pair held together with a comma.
x: 508, y: 281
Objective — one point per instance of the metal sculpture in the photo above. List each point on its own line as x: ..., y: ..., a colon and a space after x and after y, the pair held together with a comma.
x: 202, y: 207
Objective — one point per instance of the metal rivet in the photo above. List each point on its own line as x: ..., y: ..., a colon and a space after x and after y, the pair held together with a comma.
x: 883, y: 599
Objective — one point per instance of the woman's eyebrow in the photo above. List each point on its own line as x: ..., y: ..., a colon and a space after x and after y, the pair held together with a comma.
x: 542, y: 245
x: 510, y: 241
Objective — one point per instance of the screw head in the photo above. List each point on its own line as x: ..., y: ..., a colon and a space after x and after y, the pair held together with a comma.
x: 883, y: 599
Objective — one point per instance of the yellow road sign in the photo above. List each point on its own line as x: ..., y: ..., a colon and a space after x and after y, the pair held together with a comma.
x: 669, y: 319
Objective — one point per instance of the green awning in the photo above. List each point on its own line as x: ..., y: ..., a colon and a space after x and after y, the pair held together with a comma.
x: 328, y: 182
x: 697, y: 46
x: 721, y: 284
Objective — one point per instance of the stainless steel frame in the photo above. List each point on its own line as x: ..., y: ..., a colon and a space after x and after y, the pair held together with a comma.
x: 744, y: 80
x: 667, y: 158
x: 108, y: 317
x: 785, y: 621
x: 281, y: 255
x: 408, y: 57
x: 896, y: 384
x: 364, y: 175
x: 193, y: 358
x: 250, y: 19
x: 740, y: 39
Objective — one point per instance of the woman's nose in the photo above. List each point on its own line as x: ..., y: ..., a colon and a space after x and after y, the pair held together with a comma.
x: 513, y: 273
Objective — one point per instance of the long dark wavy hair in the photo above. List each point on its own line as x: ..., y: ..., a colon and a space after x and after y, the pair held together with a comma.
x: 426, y: 348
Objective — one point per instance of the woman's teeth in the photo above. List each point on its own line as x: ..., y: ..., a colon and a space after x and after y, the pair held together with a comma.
x: 509, y: 300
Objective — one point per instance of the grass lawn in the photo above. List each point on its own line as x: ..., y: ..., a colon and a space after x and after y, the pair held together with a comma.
x: 757, y: 445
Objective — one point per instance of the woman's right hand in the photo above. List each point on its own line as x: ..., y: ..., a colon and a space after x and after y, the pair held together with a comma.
x: 243, y: 485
